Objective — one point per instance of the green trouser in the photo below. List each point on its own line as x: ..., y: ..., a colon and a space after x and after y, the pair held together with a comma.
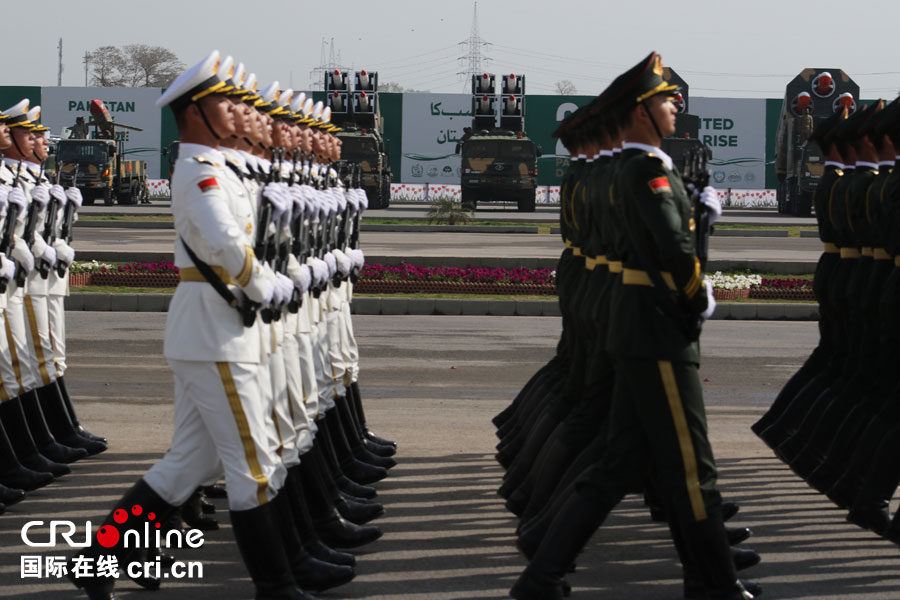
x: 657, y: 422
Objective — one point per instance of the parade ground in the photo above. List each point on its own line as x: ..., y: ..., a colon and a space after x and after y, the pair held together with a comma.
x: 433, y: 384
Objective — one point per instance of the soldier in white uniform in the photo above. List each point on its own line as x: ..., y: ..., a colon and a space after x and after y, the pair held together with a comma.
x: 213, y: 350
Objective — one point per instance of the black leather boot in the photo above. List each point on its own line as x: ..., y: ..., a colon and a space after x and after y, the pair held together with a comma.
x: 736, y: 535
x: 57, y: 417
x: 215, y: 491
x: 569, y: 532
x: 345, y: 421
x: 357, y: 512
x: 15, y: 475
x: 10, y: 496
x: 354, y: 469
x: 305, y: 527
x: 712, y: 557
x: 309, y: 572
x: 25, y: 446
x: 329, y: 472
x: 193, y: 515
x: 40, y: 432
x: 61, y: 383
x: 140, y: 494
x: 256, y: 532
x: 384, y: 450
x: 361, y: 415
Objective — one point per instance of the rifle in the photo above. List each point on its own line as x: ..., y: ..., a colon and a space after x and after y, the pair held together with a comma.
x: 30, y: 225
x: 696, y: 172
x: 65, y: 230
x: 9, y: 228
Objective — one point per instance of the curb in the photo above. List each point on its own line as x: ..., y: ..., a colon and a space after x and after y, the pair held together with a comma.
x: 373, y: 305
x: 127, y: 224
x: 449, y: 228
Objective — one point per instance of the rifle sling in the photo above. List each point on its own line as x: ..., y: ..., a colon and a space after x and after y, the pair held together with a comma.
x: 220, y: 286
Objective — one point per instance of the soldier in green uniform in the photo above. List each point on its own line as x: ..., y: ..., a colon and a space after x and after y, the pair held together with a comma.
x: 657, y: 419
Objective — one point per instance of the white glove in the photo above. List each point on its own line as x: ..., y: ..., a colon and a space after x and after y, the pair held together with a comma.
x: 319, y: 271
x: 49, y: 255
x: 64, y: 252
x: 356, y: 255
x: 74, y: 196
x: 269, y: 292
x: 23, y: 256
x: 285, y: 287
x: 709, y: 197
x: 7, y: 268
x: 17, y: 196
x: 57, y: 192
x: 344, y: 264
x: 363, y: 199
x: 40, y: 195
x: 711, y: 302
x: 304, y: 279
x: 332, y: 264
x: 274, y: 192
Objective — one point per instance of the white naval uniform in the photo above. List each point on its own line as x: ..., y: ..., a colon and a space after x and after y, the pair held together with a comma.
x: 9, y: 382
x: 57, y: 290
x: 26, y: 364
x: 214, y: 358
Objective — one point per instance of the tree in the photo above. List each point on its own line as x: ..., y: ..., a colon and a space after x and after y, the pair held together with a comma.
x: 107, y: 63
x: 565, y: 88
x: 134, y: 65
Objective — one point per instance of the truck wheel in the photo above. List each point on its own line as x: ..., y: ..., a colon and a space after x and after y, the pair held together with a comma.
x: 467, y: 200
x: 108, y: 198
x: 88, y: 198
x: 132, y: 196
x: 526, y: 202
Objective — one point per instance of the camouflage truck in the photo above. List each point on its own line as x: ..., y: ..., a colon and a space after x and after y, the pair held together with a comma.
x: 498, y: 164
x: 811, y: 97
x: 358, y: 113
x: 103, y: 173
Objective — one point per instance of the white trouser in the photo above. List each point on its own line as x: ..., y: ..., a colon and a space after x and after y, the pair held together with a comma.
x: 57, y: 313
x: 335, y: 358
x: 24, y: 362
x: 314, y: 408
x: 324, y: 374
x: 218, y: 417
x: 9, y: 382
x: 349, y: 349
x: 281, y: 410
x: 38, y: 336
x: 296, y: 396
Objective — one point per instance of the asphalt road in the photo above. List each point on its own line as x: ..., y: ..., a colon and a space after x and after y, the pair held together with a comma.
x: 433, y: 383
x: 462, y: 245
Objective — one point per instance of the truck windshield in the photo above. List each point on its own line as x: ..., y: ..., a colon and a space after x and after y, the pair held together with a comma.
x: 356, y: 146
x: 480, y: 149
x: 517, y: 150
x: 82, y: 153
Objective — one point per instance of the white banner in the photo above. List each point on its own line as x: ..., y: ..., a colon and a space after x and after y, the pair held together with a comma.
x: 432, y: 125
x: 130, y: 106
x: 735, y: 129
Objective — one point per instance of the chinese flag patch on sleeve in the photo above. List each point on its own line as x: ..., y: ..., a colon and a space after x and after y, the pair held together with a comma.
x: 210, y: 183
x: 659, y: 185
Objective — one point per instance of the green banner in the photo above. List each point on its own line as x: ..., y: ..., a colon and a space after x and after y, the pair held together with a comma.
x: 543, y: 114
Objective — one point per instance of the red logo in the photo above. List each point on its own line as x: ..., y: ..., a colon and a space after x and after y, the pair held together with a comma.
x: 108, y: 535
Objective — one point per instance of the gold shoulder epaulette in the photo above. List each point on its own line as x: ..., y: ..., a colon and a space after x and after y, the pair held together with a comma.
x: 839, y: 172
x: 206, y: 161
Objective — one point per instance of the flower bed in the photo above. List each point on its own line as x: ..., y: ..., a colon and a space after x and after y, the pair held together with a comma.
x: 388, y: 286
x: 480, y: 275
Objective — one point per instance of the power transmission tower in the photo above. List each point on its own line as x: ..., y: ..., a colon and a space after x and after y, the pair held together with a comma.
x: 60, y: 70
x: 472, y: 59
x: 329, y: 60
x: 87, y: 61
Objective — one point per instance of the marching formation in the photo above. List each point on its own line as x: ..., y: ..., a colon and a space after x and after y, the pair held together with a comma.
x: 619, y: 409
x: 260, y: 339
x: 836, y: 422
x: 39, y: 430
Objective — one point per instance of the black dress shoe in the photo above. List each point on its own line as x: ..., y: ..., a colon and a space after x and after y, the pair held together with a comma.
x: 38, y: 462
x: 90, y: 436
x: 194, y: 517
x: 10, y: 496
x: 355, y: 489
x: 357, y: 512
x: 363, y: 473
x: 310, y: 573
x: 339, y: 533
x: 694, y: 590
x: 380, y: 440
x: 376, y: 448
x: 92, y: 447
x: 874, y: 516
x: 367, y: 456
x: 207, y: 507
x: 62, y: 454
x: 329, y: 554
x: 744, y: 558
x: 215, y: 491
x: 22, y: 477
x: 729, y: 509
x: 736, y: 535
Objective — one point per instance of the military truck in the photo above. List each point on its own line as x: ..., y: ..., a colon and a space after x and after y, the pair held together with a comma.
x: 358, y: 113
x: 811, y: 97
x: 498, y: 164
x: 103, y: 171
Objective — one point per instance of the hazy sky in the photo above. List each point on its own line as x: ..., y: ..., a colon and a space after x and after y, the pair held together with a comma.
x: 722, y: 48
